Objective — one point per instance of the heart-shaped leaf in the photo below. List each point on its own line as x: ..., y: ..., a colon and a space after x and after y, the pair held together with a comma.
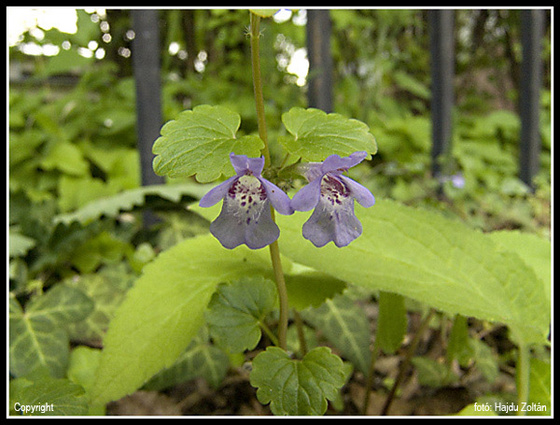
x: 316, y: 135
x: 297, y: 387
x: 200, y: 141
x: 236, y: 312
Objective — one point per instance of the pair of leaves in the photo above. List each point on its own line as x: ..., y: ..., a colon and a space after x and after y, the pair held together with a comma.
x: 39, y: 337
x: 292, y: 387
x: 200, y: 141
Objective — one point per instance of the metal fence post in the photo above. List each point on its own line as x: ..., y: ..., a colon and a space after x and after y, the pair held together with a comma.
x: 146, y: 56
x: 320, y: 60
x: 532, y: 24
x: 442, y: 55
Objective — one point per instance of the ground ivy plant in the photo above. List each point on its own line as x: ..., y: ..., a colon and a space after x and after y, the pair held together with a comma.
x: 257, y: 271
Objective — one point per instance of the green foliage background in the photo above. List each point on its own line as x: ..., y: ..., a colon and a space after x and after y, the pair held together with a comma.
x: 76, y: 239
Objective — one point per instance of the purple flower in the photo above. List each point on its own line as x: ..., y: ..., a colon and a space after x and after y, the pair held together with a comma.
x: 246, y: 217
x: 332, y: 195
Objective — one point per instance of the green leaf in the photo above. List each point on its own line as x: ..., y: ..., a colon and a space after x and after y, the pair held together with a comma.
x: 432, y: 373
x: 297, y: 387
x: 437, y: 261
x: 111, y: 206
x: 316, y: 135
x: 52, y: 397
x: 38, y: 336
x: 346, y: 326
x: 391, y: 322
x: 103, y: 248
x: 412, y: 85
x: 540, y: 386
x: 201, y: 359
x: 458, y: 346
x: 37, y: 344
x: 19, y: 244
x: 485, y: 360
x: 164, y: 310
x: 83, y: 364
x: 200, y: 141
x: 61, y: 304
x: 237, y: 312
x: 309, y: 288
x: 66, y: 157
x: 81, y: 370
x: 532, y: 249
x: 106, y: 288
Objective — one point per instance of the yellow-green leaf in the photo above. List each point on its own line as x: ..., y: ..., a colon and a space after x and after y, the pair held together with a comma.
x: 438, y: 261
x: 164, y: 311
x: 314, y: 135
x: 199, y: 142
x: 297, y: 387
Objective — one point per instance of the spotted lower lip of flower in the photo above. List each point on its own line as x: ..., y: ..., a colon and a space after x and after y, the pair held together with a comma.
x: 246, y: 216
x: 332, y: 196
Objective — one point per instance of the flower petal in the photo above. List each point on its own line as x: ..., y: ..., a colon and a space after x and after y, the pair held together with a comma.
x: 263, y: 231
x: 228, y: 229
x: 311, y: 170
x: 335, y: 162
x: 217, y: 193
x: 279, y: 200
x: 359, y: 192
x: 246, y: 214
x: 242, y: 163
x: 307, y: 197
x: 332, y: 223
x: 256, y: 165
x: 233, y: 227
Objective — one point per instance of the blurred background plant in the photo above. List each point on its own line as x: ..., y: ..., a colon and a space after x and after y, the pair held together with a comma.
x: 75, y: 201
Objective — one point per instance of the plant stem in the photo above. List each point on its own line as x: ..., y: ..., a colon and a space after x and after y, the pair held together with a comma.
x: 404, y: 366
x: 257, y: 85
x: 282, y: 294
x: 523, y: 376
x: 274, y: 249
x: 269, y: 333
x: 369, y: 381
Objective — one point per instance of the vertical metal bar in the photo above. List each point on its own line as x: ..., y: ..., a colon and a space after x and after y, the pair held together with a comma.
x: 442, y: 55
x: 319, y: 93
x: 146, y: 62
x: 532, y: 24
